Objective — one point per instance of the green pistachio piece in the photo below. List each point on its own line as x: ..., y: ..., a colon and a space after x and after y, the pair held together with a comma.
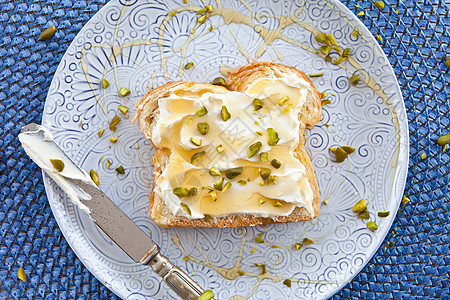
x: 225, y: 113
x: 287, y: 109
x: 189, y: 121
x: 113, y: 139
x: 214, y: 171
x: 207, y: 218
x: 201, y: 11
x: 192, y: 191
x: 192, y: 32
x: 209, y: 8
x: 202, y: 111
x: 242, y: 182
x: 209, y: 188
x: 346, y: 52
x: 172, y: 13
x: 326, y: 102
x: 316, y: 74
x: 365, y: 215
x: 22, y: 275
x: 447, y: 62
x: 241, y: 273
x: 120, y: 169
x: 226, y: 187
x: 213, y: 195
x: 186, y: 208
x: 108, y: 164
x: 123, y: 109
x: 321, y: 37
x: 341, y: 154
x: 379, y: 4
x: 265, y: 173
x: 202, y: 19
x: 181, y: 191
x: 272, y: 137
x: 261, y: 201
x: 298, y: 246
x: 105, y: 83
x: 354, y: 79
x: 206, y: 295
x: 332, y: 39
x: 287, y: 282
x: 405, y: 200
x: 325, y: 49
x: 57, y: 164
x: 197, y: 156
x: 339, y: 60
x: 94, y: 177
x: 48, y: 33
x: 323, y: 95
x: 100, y: 133
x: 259, y: 132
x: 123, y: 91
x: 308, y: 241
x: 203, y: 128
x: 219, y: 184
x: 283, y: 100
x: 196, y: 141
x: 328, y: 58
x: 257, y: 104
x: 383, y: 214
x: 272, y: 179
x: 220, y: 148
x: 264, y: 156
x: 278, y: 204
x: 219, y: 81
x: 233, y: 172
x: 444, y: 139
x: 355, y: 33
x: 325, y: 202
x: 348, y: 149
x: 259, y: 239
x: 275, y: 163
x: 189, y: 64
x: 372, y: 225
x: 275, y: 246
x: 360, y: 206
x: 253, y: 149
x: 114, y: 122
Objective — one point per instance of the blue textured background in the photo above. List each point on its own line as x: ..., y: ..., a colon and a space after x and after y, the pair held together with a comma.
x: 414, y: 260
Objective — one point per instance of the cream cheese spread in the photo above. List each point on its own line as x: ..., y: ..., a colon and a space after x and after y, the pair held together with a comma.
x: 40, y: 147
x: 177, y: 123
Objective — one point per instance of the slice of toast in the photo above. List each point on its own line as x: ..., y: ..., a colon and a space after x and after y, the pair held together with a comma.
x: 239, y: 80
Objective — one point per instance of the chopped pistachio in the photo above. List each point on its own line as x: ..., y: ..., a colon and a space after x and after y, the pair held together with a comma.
x: 328, y: 58
x: 172, y: 13
x: 265, y: 173
x: 259, y: 264
x: 114, y: 122
x: 372, y: 225
x: 405, y: 200
x: 189, y: 121
x: 379, y: 38
x: 94, y: 177
x: 189, y: 64
x: 219, y: 81
x: 219, y: 184
x: 201, y: 11
x: 272, y: 137
x: 105, y: 83
x: 197, y: 156
x: 186, y: 258
x: 196, y: 141
x: 259, y: 132
x: 100, y: 133
x: 57, y: 164
x: 233, y: 172
x: 202, y: 19
x: 325, y: 102
x: 225, y: 113
x: 278, y: 204
x: 214, y: 171
x: 283, y: 100
x: 181, y: 191
x: 213, y: 195
x: 220, y: 148
x: 108, y: 164
x: 341, y: 154
x: 186, y: 208
x: 242, y: 182
x: 325, y: 202
x: 365, y: 215
x: 192, y: 191
x: 257, y: 104
x: 320, y: 37
x: 259, y: 239
x: 226, y: 187
x: 325, y: 49
x: 332, y: 39
x: 361, y: 13
x: 123, y: 109
x: 113, y: 139
x: 355, y: 33
x: 48, y: 33
x: 308, y: 241
x: 192, y: 30
x: 275, y: 163
x: 287, y: 109
x: 383, y: 214
x: 423, y: 155
x: 287, y: 282
x: 201, y: 111
x: 298, y: 246
x: 348, y: 149
x: 241, y: 273
x: 209, y: 8
x: 275, y: 246
x: 253, y: 250
x: 354, y: 79
x: 346, y: 52
x: 447, y: 62
x: 207, y: 218
x: 253, y: 149
x: 261, y: 183
x: 206, y: 295
x: 211, y: 28
x: 316, y: 74
x: 379, y: 4
x: 360, y: 206
x: 264, y: 156
x: 261, y: 201
x: 123, y: 91
x: 203, y: 128
x: 21, y: 274
x: 264, y: 269
x: 257, y: 122
x: 209, y: 188
x: 444, y: 139
x: 120, y: 169
x: 272, y: 179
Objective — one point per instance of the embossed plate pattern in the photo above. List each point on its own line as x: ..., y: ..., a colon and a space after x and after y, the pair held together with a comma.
x: 140, y: 44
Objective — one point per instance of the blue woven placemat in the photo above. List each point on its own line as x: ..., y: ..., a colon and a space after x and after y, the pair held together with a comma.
x: 414, y: 260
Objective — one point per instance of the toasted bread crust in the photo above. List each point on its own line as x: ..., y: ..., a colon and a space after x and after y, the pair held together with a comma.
x: 238, y: 80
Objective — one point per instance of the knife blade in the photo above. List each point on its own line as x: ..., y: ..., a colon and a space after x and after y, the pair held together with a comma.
x: 119, y: 227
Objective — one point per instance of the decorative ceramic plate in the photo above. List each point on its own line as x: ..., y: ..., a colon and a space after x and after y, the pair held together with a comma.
x: 144, y: 44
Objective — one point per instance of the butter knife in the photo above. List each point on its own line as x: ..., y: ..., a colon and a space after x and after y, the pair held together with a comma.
x: 118, y: 226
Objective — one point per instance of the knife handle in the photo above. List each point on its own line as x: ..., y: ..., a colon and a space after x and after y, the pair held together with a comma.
x: 177, y: 280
